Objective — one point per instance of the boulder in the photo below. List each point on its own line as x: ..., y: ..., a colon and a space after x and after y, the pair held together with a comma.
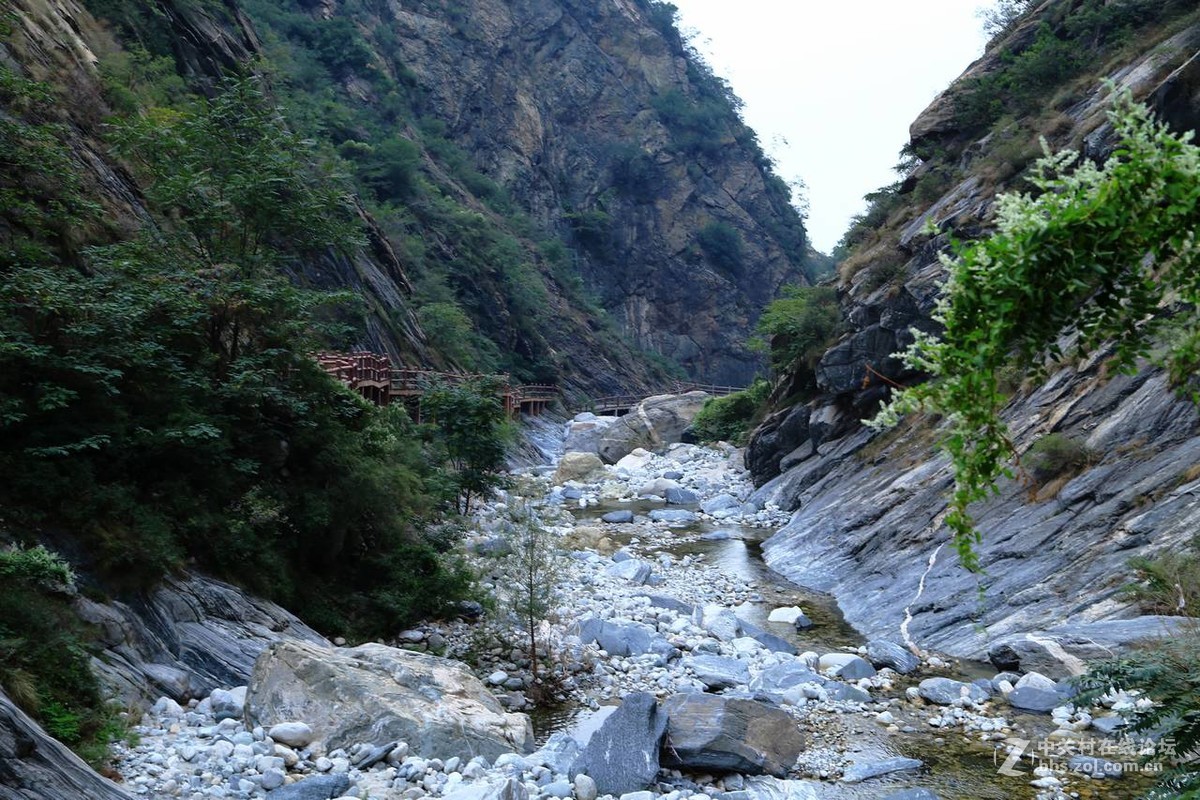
x: 652, y: 424
x: 584, y: 432
x: 776, y: 644
x: 781, y: 677
x: 1032, y: 698
x: 624, y: 638
x: 787, y: 615
x: 510, y: 789
x: 883, y: 653
x: 35, y: 767
x: 720, y: 622
x: 719, y: 672
x: 228, y: 703
x: 576, y: 466
x: 635, y: 461
x: 619, y: 517
x: 673, y: 516
x: 317, y: 787
x: 376, y: 694
x: 719, y: 734
x: 945, y: 691
x: 846, y: 665
x: 622, y: 756
x: 721, y: 502
x: 632, y: 570
x: 682, y: 497
x: 557, y: 754
x: 873, y: 769
x: 292, y: 734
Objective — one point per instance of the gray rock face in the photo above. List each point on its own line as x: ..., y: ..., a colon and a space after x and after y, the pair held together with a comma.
x: 35, y: 767
x: 873, y: 769
x: 682, y: 497
x: 883, y: 653
x: 1031, y: 698
x: 318, y: 787
x: 868, y: 531
x: 623, y: 755
x: 378, y: 694
x: 945, y: 691
x: 652, y: 424
x: 1062, y: 652
x: 627, y: 639
x: 721, y: 734
x: 633, y: 570
x: 584, y: 432
x: 718, y: 672
x: 189, y: 636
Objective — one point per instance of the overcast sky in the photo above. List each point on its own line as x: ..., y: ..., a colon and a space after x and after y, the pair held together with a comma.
x: 832, y: 85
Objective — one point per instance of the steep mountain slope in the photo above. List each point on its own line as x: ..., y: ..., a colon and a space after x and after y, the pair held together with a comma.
x: 869, y: 507
x: 567, y: 175
x: 595, y: 119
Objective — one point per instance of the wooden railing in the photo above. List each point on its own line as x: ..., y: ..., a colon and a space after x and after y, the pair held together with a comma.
x: 373, y: 376
x: 619, y: 404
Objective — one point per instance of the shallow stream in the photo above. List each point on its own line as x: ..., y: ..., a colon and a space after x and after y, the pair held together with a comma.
x: 957, y: 767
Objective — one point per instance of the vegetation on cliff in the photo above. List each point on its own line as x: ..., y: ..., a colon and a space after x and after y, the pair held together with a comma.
x: 1095, y: 255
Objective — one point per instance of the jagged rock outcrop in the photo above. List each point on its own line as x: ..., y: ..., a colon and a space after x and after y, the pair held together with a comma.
x: 35, y: 767
x: 868, y: 507
x: 188, y: 636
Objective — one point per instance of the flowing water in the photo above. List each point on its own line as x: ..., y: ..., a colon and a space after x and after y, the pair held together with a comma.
x: 956, y: 768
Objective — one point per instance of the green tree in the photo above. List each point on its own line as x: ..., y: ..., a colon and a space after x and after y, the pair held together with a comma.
x: 470, y: 432
x: 533, y: 570
x: 801, y: 325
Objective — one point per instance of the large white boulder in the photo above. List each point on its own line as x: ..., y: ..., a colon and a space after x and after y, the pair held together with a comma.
x: 378, y: 694
x: 652, y: 424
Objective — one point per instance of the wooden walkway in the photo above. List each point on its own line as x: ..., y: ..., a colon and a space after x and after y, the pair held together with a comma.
x: 618, y: 405
x: 373, y: 376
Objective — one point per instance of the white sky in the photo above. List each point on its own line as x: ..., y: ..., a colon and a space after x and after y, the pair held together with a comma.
x: 831, y: 86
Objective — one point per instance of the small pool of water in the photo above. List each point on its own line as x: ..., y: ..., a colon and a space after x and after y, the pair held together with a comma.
x: 740, y: 556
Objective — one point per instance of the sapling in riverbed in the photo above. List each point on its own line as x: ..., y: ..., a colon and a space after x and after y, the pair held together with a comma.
x: 532, y: 572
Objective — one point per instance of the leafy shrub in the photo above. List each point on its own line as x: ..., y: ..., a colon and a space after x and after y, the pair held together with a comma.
x: 722, y: 244
x: 44, y: 665
x: 801, y: 325
x: 1097, y: 251
x: 1167, y: 673
x: 731, y: 418
x: 1055, y: 455
x: 1169, y: 582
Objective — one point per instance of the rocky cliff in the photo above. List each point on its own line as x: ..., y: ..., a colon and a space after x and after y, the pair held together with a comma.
x: 566, y: 174
x: 606, y: 130
x: 868, y: 508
